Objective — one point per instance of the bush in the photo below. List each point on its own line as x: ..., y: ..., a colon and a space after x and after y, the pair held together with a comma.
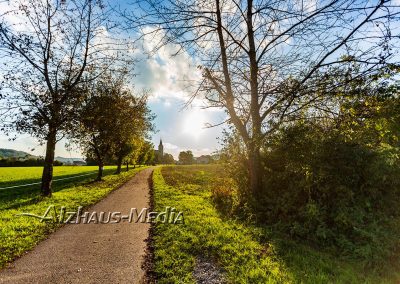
x: 224, y: 195
x: 320, y: 187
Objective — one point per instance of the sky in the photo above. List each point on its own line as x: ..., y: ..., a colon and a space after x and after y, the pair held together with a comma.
x: 180, y: 128
x: 171, y: 81
x: 168, y: 79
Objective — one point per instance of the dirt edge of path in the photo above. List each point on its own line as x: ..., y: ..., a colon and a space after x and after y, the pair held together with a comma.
x: 148, y: 259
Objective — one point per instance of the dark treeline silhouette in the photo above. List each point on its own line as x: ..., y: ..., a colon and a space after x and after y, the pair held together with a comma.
x: 25, y: 163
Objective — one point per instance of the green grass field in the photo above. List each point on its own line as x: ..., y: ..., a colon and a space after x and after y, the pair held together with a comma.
x: 17, y: 176
x: 246, y: 253
x: 20, y: 233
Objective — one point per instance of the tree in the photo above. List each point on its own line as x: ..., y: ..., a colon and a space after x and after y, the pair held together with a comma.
x: 168, y: 159
x: 133, y: 156
x: 47, y: 49
x: 96, y: 129
x: 109, y: 119
x: 186, y: 157
x: 146, y: 156
x: 158, y: 159
x: 134, y: 121
x: 262, y: 61
x: 368, y: 112
x: 125, y: 148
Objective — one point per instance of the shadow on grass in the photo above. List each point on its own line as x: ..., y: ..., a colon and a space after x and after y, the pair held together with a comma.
x: 12, y: 198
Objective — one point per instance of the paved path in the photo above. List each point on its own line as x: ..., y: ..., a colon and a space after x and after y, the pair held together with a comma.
x: 91, y: 253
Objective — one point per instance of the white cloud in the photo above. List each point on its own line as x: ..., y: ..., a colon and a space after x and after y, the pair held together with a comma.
x: 172, y: 80
x: 9, y: 14
x: 165, y: 74
x: 185, y: 129
x: 169, y: 146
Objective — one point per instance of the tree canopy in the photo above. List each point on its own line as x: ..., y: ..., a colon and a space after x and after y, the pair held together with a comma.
x: 110, y: 120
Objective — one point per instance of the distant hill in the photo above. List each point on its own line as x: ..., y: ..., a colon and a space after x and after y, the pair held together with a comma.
x: 68, y: 161
x: 21, y: 155
x: 10, y: 153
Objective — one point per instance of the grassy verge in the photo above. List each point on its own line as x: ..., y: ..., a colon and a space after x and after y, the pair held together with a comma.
x: 19, y: 234
x: 10, y: 176
x: 64, y: 177
x: 246, y: 253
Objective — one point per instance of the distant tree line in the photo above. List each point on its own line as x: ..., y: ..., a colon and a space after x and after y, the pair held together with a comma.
x: 31, y: 162
x: 166, y: 159
x: 187, y: 158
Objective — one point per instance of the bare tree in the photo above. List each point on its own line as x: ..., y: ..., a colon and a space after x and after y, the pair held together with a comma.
x: 47, y: 48
x: 262, y: 61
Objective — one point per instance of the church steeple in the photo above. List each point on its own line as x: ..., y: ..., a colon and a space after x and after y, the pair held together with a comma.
x: 161, y: 148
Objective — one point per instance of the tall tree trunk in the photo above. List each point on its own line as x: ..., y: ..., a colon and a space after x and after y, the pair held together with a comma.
x: 255, y: 171
x: 255, y: 167
x: 100, y: 162
x: 100, y: 172
x: 119, y: 165
x: 47, y: 175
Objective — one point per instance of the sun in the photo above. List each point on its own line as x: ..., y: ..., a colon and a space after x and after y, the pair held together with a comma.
x: 194, y: 123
